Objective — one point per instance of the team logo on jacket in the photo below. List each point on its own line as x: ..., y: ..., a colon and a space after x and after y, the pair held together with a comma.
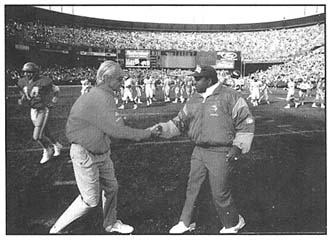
x: 214, y: 110
x: 249, y: 120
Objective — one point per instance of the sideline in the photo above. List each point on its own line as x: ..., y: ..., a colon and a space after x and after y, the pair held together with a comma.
x: 183, y: 141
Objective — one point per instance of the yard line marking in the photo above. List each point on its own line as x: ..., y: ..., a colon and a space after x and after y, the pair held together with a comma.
x: 64, y: 183
x: 282, y: 126
x: 282, y: 233
x: 120, y: 114
x: 292, y: 131
x: 289, y: 132
x: 28, y: 118
x: 281, y: 98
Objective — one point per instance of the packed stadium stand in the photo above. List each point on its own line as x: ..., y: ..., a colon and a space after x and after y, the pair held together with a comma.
x: 68, y: 45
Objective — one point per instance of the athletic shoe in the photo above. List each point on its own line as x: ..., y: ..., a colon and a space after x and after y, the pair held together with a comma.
x: 121, y: 107
x: 57, y: 149
x: 181, y: 228
x: 322, y: 106
x: 287, y: 106
x: 296, y: 105
x: 234, y: 229
x: 47, y: 155
x: 135, y: 107
x: 314, y: 105
x: 120, y: 228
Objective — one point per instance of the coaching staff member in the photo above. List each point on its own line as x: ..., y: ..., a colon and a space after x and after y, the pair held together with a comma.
x: 91, y: 124
x: 217, y: 119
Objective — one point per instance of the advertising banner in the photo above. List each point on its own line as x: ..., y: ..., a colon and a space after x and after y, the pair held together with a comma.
x: 227, y: 59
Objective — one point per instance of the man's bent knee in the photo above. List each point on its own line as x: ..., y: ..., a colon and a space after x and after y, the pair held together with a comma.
x: 91, y: 201
x: 111, y: 188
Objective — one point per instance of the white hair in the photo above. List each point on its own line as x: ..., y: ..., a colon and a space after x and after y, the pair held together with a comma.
x: 108, y: 68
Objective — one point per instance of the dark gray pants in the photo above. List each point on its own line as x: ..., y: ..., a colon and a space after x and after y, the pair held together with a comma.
x: 214, y: 163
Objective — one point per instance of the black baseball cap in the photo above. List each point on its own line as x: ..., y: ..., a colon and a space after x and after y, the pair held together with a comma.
x: 205, y: 71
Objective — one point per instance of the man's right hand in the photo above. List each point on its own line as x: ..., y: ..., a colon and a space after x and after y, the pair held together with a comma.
x: 156, y: 131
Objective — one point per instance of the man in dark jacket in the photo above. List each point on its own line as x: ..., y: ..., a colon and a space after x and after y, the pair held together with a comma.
x: 91, y: 124
x: 217, y: 119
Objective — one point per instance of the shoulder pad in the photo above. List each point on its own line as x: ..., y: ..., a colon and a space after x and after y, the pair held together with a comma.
x: 45, y: 81
x: 22, y: 82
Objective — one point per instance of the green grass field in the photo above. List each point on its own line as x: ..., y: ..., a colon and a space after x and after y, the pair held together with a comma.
x: 279, y: 187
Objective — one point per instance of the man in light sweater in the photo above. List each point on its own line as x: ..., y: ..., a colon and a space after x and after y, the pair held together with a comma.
x: 91, y: 124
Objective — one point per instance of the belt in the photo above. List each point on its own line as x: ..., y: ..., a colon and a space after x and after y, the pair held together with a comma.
x: 213, y: 147
x: 93, y: 153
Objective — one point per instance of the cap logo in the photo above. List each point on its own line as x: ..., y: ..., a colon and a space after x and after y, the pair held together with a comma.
x: 198, y: 69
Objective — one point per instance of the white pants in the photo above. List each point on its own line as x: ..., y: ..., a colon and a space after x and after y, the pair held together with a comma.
x: 148, y: 92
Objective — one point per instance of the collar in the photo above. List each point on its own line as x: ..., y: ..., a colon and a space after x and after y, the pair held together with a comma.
x: 106, y: 88
x: 209, y: 90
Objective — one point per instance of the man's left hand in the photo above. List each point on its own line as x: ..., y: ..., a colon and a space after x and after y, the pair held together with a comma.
x: 233, y: 154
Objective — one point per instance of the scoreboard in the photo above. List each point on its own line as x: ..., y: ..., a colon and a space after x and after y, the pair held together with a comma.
x: 137, y: 58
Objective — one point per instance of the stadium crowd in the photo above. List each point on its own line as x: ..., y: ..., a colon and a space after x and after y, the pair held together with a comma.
x: 256, y: 46
x: 308, y: 67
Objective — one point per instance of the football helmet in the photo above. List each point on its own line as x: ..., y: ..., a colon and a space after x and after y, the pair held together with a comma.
x: 31, y: 70
x: 236, y: 74
x: 30, y: 67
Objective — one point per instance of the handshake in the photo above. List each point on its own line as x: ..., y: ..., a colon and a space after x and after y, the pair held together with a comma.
x: 156, y: 130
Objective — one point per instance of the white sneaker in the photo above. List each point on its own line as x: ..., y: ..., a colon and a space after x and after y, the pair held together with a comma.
x: 181, y: 228
x: 287, y: 106
x: 57, y: 149
x: 314, y: 105
x: 322, y: 106
x: 47, y: 155
x: 135, y: 107
x: 234, y: 229
x: 121, y: 107
x: 297, y: 104
x: 120, y: 228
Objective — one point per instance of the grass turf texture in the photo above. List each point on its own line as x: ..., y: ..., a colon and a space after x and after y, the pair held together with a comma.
x: 279, y: 187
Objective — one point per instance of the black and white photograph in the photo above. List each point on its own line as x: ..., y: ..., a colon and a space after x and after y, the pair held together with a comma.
x: 177, y: 119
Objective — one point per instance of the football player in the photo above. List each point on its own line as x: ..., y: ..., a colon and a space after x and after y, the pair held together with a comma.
x: 320, y: 93
x: 255, y: 86
x: 40, y: 93
x: 290, y: 93
x: 128, y: 93
x: 303, y: 87
x: 167, y: 88
x: 86, y: 86
x: 265, y: 92
x: 148, y: 82
x: 177, y: 88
